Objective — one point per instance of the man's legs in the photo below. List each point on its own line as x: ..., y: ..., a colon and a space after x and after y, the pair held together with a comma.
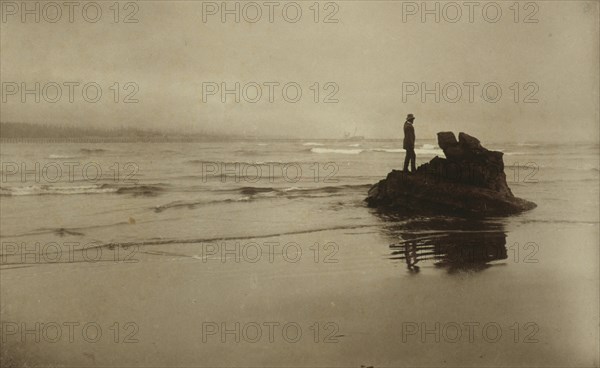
x: 410, y: 157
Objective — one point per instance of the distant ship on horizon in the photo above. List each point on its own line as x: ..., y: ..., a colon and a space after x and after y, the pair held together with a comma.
x: 353, y: 137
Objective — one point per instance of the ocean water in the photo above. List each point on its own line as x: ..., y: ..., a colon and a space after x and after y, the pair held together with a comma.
x: 94, y: 189
x: 173, y: 208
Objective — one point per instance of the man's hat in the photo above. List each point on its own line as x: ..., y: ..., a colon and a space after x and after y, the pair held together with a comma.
x: 410, y: 116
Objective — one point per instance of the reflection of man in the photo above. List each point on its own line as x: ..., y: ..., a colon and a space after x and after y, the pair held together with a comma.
x: 409, y: 144
x: 411, y: 256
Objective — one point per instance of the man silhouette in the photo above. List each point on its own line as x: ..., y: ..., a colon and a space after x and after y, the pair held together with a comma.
x: 409, y: 143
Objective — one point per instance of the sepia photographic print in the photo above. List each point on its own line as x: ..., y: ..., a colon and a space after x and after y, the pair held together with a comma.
x: 299, y: 183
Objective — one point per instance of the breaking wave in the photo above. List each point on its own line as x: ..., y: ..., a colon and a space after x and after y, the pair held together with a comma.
x: 426, y: 149
x: 296, y: 190
x: 193, y: 204
x: 55, y: 156
x: 33, y: 190
x: 250, y: 194
x: 92, y: 150
x: 337, y: 150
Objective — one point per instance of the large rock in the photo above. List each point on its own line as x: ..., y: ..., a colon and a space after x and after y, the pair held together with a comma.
x: 446, y: 140
x: 469, y: 142
x: 470, y: 180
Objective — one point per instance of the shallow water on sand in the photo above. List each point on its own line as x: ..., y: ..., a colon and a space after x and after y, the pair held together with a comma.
x: 189, y: 236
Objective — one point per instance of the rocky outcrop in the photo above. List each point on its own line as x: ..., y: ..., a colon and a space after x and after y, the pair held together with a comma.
x: 470, y: 180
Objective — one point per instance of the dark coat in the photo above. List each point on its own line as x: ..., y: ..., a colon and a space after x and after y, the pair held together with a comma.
x: 409, y: 136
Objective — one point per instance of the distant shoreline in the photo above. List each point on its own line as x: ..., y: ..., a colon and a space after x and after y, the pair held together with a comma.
x: 109, y: 140
x: 19, y: 133
x: 66, y: 140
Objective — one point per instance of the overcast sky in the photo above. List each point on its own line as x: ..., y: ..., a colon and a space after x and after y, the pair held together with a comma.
x: 371, y: 55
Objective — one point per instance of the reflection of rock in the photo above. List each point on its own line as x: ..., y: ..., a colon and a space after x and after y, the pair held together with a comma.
x: 470, y: 180
x: 450, y: 243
